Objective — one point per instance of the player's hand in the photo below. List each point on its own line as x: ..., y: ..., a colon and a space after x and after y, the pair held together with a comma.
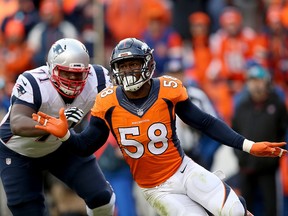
x: 73, y: 115
x: 268, y: 149
x: 55, y: 126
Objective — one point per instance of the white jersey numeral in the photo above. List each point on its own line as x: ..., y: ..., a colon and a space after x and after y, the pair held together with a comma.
x: 157, y: 134
x: 171, y: 83
x: 106, y: 92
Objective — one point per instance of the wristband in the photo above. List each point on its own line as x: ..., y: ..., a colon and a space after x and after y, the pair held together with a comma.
x: 247, y: 145
x: 66, y: 137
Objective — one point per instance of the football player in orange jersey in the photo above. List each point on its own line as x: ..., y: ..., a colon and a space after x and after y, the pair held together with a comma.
x: 141, y: 111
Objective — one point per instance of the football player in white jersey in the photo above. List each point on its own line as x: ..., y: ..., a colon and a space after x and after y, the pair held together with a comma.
x: 68, y: 80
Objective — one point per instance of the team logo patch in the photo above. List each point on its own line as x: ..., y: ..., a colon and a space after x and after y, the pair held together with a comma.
x: 140, y: 112
x: 8, y: 161
x: 20, y: 89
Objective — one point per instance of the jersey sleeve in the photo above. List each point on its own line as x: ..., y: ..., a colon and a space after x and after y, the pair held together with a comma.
x: 26, y: 91
x: 173, y: 88
x: 103, y: 102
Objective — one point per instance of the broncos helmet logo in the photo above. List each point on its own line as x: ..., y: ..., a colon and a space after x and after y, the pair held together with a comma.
x: 20, y: 90
x: 144, y: 47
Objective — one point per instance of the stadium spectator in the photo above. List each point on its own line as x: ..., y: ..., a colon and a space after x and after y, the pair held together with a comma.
x: 27, y: 13
x: 52, y: 27
x: 15, y: 54
x: 166, y: 41
x: 260, y: 114
x: 196, y: 52
x: 231, y: 47
x: 181, y: 10
x: 274, y: 40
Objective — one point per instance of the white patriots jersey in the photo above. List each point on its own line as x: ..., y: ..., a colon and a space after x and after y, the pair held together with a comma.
x: 34, y: 88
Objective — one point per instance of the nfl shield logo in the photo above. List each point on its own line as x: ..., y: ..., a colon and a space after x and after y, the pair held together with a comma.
x: 140, y: 112
x: 8, y: 161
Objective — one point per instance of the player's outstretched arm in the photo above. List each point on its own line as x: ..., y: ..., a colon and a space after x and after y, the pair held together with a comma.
x: 220, y: 131
x: 55, y: 126
x: 94, y: 136
x: 264, y: 149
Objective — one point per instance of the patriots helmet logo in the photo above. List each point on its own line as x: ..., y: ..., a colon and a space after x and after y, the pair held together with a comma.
x: 58, y: 49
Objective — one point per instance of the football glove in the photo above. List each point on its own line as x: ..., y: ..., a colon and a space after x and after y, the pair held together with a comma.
x: 264, y: 149
x: 55, y: 126
x: 73, y: 116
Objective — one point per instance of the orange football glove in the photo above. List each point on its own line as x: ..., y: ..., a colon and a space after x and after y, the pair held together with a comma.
x: 268, y: 149
x: 55, y: 126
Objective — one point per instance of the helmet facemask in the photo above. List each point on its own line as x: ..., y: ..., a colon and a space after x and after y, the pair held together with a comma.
x: 69, y: 88
x: 127, y: 50
x: 134, y: 80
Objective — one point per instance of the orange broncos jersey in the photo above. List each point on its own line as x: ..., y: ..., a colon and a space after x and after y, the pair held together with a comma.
x: 146, y: 135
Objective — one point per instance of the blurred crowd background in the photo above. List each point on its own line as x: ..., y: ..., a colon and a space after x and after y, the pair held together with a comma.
x: 230, y: 50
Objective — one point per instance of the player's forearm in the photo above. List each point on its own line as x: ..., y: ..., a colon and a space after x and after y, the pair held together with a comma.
x: 25, y: 127
x: 90, y: 140
x: 211, y: 126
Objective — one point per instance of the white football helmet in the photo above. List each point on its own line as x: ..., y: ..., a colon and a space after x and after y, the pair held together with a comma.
x: 132, y: 48
x: 68, y: 55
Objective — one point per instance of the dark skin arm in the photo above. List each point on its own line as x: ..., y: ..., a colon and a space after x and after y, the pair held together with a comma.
x: 21, y: 122
x: 94, y: 136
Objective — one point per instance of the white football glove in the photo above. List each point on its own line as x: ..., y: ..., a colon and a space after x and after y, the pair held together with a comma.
x: 73, y: 115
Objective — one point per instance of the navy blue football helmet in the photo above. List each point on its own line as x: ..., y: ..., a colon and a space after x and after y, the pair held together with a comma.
x: 129, y: 49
